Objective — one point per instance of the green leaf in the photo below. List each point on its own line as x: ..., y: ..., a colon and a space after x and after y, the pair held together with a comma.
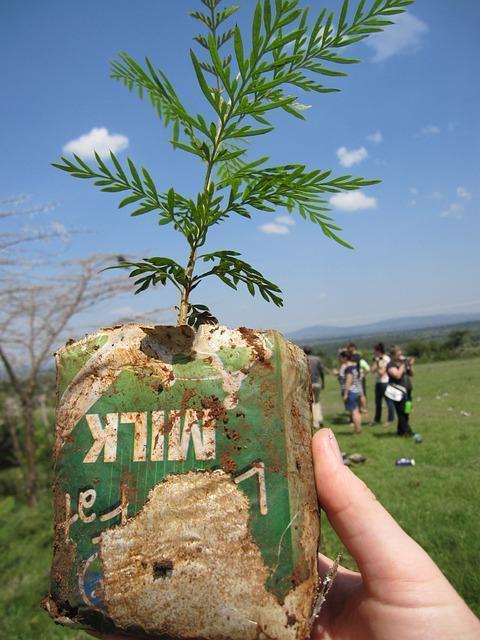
x: 200, y: 314
x: 239, y: 54
x: 289, y: 18
x: 176, y: 132
x: 129, y: 200
x: 171, y: 199
x: 114, y: 188
x: 83, y: 164
x: 329, y: 72
x: 339, y: 240
x: 267, y: 15
x: 316, y: 30
x: 142, y: 210
x: 118, y: 167
x: 359, y: 11
x: 256, y: 27
x: 327, y: 29
x: 149, y: 182
x: 225, y: 14
x: 217, y: 63
x: 281, y: 41
x: 294, y: 112
x: 343, y: 16
x: 134, y: 172
x: 102, y: 166
x: 268, y: 106
x: 203, y: 83
x: 189, y: 149
x: 246, y: 132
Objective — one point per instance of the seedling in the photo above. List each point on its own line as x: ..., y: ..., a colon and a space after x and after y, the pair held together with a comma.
x: 243, y: 80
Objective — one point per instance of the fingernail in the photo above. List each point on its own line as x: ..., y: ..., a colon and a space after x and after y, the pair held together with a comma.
x: 334, y: 445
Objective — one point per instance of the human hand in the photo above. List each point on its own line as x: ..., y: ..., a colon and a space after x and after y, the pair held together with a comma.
x: 399, y: 594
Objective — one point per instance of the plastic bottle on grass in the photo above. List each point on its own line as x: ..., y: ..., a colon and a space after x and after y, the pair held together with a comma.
x: 405, y: 462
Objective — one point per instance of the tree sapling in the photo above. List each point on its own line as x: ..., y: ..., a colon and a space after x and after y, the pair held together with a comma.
x: 287, y: 53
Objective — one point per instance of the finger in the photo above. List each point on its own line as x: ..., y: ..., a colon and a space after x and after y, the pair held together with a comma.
x: 380, y: 547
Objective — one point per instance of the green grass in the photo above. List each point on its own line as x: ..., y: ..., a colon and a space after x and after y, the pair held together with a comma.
x: 435, y: 501
x: 26, y: 544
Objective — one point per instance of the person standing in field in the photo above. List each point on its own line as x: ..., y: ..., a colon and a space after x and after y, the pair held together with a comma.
x: 400, y: 371
x: 379, y: 368
x: 349, y: 378
x: 364, y: 368
x: 356, y: 357
x: 318, y: 383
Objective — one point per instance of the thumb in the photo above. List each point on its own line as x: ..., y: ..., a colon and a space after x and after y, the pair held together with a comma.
x: 381, y: 549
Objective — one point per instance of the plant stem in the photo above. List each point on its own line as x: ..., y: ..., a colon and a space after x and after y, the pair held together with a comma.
x: 217, y: 143
x: 184, y: 297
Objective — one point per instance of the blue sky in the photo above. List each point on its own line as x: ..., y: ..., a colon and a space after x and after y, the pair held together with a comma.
x: 408, y: 114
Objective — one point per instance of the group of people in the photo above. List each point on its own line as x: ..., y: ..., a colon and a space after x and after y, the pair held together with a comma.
x: 393, y: 373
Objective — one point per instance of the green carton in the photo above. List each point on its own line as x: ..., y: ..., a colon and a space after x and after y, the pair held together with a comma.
x: 184, y: 496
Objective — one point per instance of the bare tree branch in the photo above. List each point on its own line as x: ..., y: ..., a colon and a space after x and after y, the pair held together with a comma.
x: 35, y: 318
x: 40, y: 300
x: 13, y: 238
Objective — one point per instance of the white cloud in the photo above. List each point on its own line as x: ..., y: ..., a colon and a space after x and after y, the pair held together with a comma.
x: 301, y: 107
x: 280, y: 226
x: 463, y: 193
x: 353, y: 201
x: 454, y: 210
x: 274, y: 228
x: 97, y: 139
x: 430, y: 130
x: 436, y: 195
x: 350, y: 157
x: 413, y: 191
x: 376, y: 137
x: 288, y: 220
x: 405, y: 36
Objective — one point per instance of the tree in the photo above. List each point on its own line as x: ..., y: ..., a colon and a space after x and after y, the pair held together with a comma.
x: 287, y: 55
x: 35, y: 318
x: 16, y: 239
x: 456, y: 339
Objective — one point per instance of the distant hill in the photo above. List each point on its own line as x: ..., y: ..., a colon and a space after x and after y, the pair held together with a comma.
x: 409, y: 323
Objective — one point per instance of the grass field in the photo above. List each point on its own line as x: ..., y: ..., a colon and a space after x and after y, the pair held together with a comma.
x: 436, y: 501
